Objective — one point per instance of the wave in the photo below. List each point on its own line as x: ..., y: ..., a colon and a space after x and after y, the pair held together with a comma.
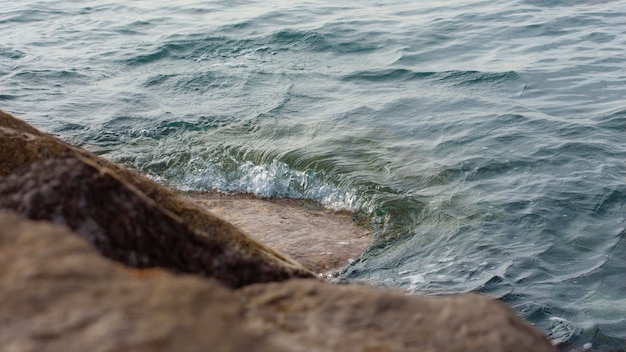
x: 195, y: 47
x: 456, y: 78
x: 10, y: 53
x: 60, y: 77
x: 275, y: 179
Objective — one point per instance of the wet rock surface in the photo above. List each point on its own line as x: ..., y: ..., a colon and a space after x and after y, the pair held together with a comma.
x: 323, y: 241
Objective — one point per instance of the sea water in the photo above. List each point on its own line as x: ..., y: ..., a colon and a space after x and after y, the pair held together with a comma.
x: 482, y: 141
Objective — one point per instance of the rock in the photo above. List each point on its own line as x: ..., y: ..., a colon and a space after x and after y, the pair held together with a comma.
x: 286, y: 228
x: 13, y: 123
x: 322, y: 240
x: 18, y: 148
x: 319, y: 316
x: 22, y: 144
x: 58, y: 294
x: 127, y: 226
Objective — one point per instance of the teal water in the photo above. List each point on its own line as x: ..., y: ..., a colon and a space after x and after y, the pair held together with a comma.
x: 483, y: 141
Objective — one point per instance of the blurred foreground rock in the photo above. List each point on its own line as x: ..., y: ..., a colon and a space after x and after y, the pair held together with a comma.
x: 315, y: 316
x: 58, y: 294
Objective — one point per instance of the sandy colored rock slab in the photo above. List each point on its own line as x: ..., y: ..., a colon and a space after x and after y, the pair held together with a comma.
x: 304, y: 315
x: 58, y: 294
x: 22, y: 144
x: 322, y: 240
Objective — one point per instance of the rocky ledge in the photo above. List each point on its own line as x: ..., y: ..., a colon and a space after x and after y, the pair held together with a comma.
x: 96, y: 257
x: 322, y: 240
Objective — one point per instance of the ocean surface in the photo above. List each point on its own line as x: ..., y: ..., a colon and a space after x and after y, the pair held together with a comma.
x: 483, y: 141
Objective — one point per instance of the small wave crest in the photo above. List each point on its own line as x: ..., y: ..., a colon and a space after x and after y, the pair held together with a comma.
x: 456, y: 78
x: 562, y: 330
x: 275, y: 179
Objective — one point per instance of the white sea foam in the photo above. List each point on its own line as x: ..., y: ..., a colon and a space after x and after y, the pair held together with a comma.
x: 275, y: 179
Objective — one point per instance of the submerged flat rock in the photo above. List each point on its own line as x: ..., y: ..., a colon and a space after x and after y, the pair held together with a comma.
x: 322, y: 240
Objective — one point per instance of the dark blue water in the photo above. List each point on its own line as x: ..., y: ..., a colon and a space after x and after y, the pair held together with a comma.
x: 484, y: 141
